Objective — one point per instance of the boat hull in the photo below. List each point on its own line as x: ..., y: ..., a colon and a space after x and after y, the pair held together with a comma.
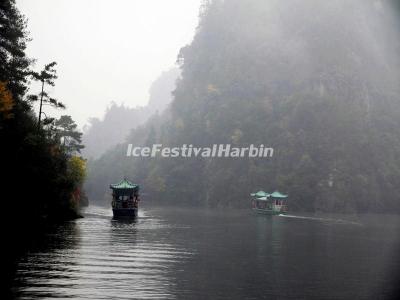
x: 268, y: 211
x: 125, y: 212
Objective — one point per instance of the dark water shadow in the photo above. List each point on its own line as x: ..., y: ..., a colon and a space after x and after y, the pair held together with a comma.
x: 50, y: 240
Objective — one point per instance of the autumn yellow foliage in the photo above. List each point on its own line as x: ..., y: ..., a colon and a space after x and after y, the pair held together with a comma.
x: 77, y: 169
x: 6, y: 101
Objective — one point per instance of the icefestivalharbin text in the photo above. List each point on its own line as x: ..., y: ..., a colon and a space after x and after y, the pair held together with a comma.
x: 216, y: 150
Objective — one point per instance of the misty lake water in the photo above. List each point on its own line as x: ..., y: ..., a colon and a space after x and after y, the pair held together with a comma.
x: 204, y: 254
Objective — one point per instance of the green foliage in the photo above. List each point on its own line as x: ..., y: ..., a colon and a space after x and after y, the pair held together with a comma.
x: 13, y: 61
x: 70, y: 138
x: 46, y: 76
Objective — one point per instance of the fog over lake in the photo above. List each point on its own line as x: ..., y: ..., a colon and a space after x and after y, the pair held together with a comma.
x: 200, y: 149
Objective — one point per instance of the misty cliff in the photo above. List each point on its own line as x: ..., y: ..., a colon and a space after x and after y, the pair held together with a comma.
x: 101, y: 135
x: 316, y: 80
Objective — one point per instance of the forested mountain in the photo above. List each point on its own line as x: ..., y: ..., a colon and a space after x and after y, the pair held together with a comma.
x: 101, y: 135
x: 316, y: 80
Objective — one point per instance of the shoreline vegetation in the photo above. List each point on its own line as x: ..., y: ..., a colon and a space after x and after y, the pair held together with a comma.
x: 43, y: 171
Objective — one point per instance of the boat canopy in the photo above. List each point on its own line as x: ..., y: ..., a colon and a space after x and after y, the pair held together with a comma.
x: 260, y: 194
x: 277, y: 194
x: 124, y: 185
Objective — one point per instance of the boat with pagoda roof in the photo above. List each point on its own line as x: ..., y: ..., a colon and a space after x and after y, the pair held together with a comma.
x: 125, y: 199
x: 269, y: 203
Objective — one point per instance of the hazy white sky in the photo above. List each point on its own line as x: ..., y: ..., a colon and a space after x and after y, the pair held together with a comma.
x: 107, y: 50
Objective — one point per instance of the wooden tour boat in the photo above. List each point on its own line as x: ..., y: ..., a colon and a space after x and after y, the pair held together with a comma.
x: 125, y: 199
x: 270, y: 204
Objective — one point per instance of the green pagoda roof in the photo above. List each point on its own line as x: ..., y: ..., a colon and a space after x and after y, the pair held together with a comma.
x: 277, y: 194
x: 123, y: 185
x: 259, y: 194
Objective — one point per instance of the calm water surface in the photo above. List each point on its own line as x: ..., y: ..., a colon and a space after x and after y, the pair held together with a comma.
x: 198, y: 254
